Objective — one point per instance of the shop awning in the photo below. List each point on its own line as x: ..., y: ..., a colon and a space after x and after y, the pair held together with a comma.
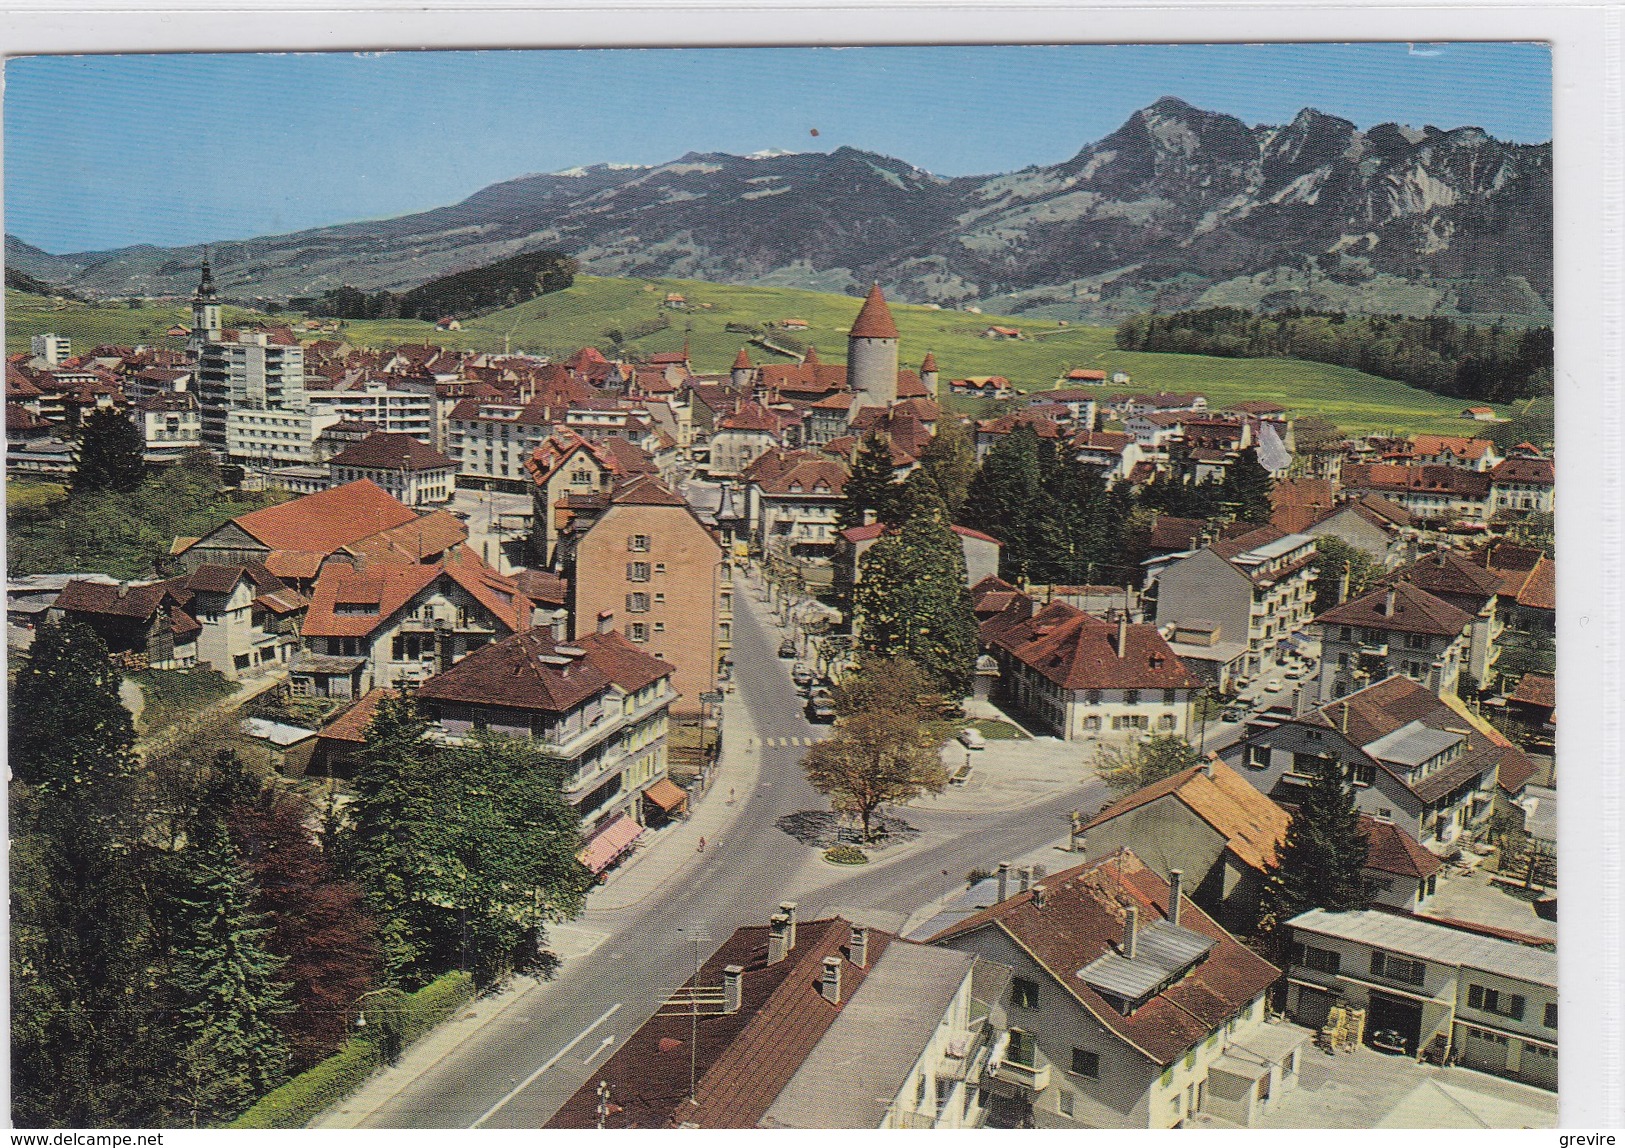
x: 607, y: 845
x: 666, y: 795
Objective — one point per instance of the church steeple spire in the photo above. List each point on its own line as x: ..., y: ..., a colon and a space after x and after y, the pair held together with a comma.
x: 205, y: 286
x: 205, y: 310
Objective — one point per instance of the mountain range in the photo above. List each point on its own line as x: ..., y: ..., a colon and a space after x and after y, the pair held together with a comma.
x: 1178, y: 207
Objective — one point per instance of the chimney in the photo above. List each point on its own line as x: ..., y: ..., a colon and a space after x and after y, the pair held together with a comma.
x: 778, y: 933
x: 1388, y: 603
x: 1039, y: 872
x: 1075, y: 844
x: 1122, y: 636
x: 1176, y: 886
x: 788, y: 908
x: 606, y: 621
x: 1024, y: 877
x: 830, y: 987
x: 1131, y: 930
x: 561, y: 624
x: 1004, y: 879
x: 1207, y: 763
x: 859, y: 948
x: 733, y: 988
x: 123, y: 589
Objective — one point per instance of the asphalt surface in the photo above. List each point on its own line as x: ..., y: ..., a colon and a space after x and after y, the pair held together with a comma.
x: 517, y: 1070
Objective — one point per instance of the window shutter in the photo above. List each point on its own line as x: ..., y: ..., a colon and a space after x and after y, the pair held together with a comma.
x: 1475, y: 996
x: 1516, y: 1011
x: 1376, y: 964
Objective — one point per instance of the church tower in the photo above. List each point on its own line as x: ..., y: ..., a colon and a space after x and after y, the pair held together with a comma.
x: 205, y: 311
x: 871, y: 354
x: 928, y: 373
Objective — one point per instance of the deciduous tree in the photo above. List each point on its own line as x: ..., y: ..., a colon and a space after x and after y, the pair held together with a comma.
x: 950, y: 460
x: 875, y: 758
x: 1003, y: 497
x: 1128, y: 768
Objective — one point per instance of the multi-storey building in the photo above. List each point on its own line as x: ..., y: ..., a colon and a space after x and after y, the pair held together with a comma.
x: 170, y: 425
x: 568, y: 469
x: 400, y: 464
x: 1255, y: 588
x: 389, y: 402
x: 491, y: 440
x: 1446, y: 992
x: 1086, y: 679
x: 596, y: 706
x: 258, y: 370
x: 1398, y: 628
x: 647, y: 566
x: 1523, y: 486
x: 1129, y: 1007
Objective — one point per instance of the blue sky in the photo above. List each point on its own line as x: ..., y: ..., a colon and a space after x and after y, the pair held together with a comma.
x: 108, y: 151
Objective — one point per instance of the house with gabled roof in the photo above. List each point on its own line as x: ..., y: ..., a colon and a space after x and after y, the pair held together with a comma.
x: 400, y: 464
x: 315, y: 525
x: 1394, y: 628
x: 1453, y: 576
x: 1130, y: 1007
x: 1520, y: 486
x: 795, y: 500
x: 597, y: 706
x: 1424, y: 763
x: 390, y: 623
x: 147, y: 623
x: 1087, y: 679
x: 250, y: 618
x: 569, y: 465
x: 1207, y: 823
x: 776, y: 1015
x: 1383, y: 530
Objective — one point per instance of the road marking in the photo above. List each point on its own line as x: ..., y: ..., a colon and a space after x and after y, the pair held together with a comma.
x: 556, y: 1057
x: 595, y: 1053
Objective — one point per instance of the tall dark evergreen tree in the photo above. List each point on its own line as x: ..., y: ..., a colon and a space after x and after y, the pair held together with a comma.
x: 110, y: 449
x: 1246, y: 489
x: 227, y: 989
x: 1075, y: 529
x: 1322, y: 862
x: 82, y: 1037
x: 870, y: 487
x: 1003, y: 497
x: 950, y: 459
x: 912, y: 600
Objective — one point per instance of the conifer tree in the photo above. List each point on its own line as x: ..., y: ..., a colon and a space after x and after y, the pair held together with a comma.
x: 227, y: 990
x: 1005, y: 498
x: 70, y: 736
x: 1322, y: 862
x: 950, y: 459
x: 110, y: 450
x: 1246, y: 489
x: 870, y: 487
x: 912, y: 600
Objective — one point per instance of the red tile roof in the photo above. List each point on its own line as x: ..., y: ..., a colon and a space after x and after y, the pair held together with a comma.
x: 874, y: 319
x: 327, y: 520
x: 1449, y: 572
x: 1395, y: 851
x: 1536, y: 471
x: 1077, y: 651
x: 1415, y: 611
x: 351, y: 725
x: 387, y: 588
x: 1083, y: 917
x: 528, y: 671
x: 385, y: 451
x: 1536, y: 690
x: 1253, y: 826
x: 744, y: 1059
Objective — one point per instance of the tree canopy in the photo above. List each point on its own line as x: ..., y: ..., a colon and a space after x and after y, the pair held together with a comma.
x: 875, y: 758
x: 870, y: 489
x: 109, y: 456
x: 1128, y: 768
x: 1322, y: 862
x: 950, y: 460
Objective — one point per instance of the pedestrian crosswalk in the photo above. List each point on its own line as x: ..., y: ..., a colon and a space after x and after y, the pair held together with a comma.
x: 786, y: 742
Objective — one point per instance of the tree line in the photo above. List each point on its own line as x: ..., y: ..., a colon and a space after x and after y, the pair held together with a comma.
x: 1445, y: 356
x: 186, y: 934
x: 505, y: 283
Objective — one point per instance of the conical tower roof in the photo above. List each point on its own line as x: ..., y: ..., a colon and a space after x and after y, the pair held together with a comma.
x: 929, y: 367
x: 811, y: 357
x: 742, y: 361
x: 874, y: 320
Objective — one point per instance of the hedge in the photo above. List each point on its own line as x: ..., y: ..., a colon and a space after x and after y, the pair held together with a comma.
x: 314, y: 1091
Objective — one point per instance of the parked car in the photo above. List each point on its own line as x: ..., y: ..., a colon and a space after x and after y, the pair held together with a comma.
x: 971, y: 738
x: 820, y: 709
x: 801, y: 676
x: 787, y: 648
x: 1293, y: 674
x: 1230, y: 714
x: 1273, y: 686
x: 1390, y: 1040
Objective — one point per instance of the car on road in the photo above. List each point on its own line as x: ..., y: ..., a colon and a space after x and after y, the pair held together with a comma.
x: 1243, y: 682
x: 971, y: 738
x: 1230, y: 714
x: 787, y: 648
x: 1273, y: 686
x: 1293, y: 674
x: 821, y: 709
x: 801, y: 676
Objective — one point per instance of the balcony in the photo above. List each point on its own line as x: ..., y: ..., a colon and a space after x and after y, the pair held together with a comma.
x: 1033, y: 1077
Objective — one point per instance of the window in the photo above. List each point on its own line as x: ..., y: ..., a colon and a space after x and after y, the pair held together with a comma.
x: 660, y: 599
x: 1509, y: 1005
x: 1344, y: 634
x: 1092, y: 723
x: 660, y: 567
x: 1091, y: 697
x: 1132, y: 721
x: 637, y: 571
x: 1416, y: 641
x: 660, y: 627
x: 1131, y: 697
x: 1066, y: 1103
x: 1086, y: 1063
x: 637, y: 603
x: 1024, y: 993
x: 638, y: 543
x: 1023, y: 1049
x: 919, y: 1091
x: 1394, y: 968
x: 637, y: 632
x: 1167, y: 722
x: 1320, y: 960
x: 1550, y: 1020
x: 1258, y: 757
x: 1363, y: 774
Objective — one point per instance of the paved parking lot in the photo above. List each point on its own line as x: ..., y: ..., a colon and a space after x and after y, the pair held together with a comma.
x: 1010, y: 773
x: 1368, y: 1089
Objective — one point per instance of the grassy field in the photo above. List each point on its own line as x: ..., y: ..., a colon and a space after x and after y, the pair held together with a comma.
x: 89, y: 325
x: 595, y: 308
x: 173, y: 695
x: 25, y: 496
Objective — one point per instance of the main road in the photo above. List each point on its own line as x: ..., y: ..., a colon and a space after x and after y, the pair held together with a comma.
x: 518, y: 1069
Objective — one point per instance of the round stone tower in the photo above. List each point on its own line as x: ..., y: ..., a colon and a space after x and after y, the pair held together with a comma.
x: 871, y: 354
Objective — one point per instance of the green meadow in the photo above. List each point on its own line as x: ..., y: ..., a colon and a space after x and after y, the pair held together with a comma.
x: 629, y: 316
